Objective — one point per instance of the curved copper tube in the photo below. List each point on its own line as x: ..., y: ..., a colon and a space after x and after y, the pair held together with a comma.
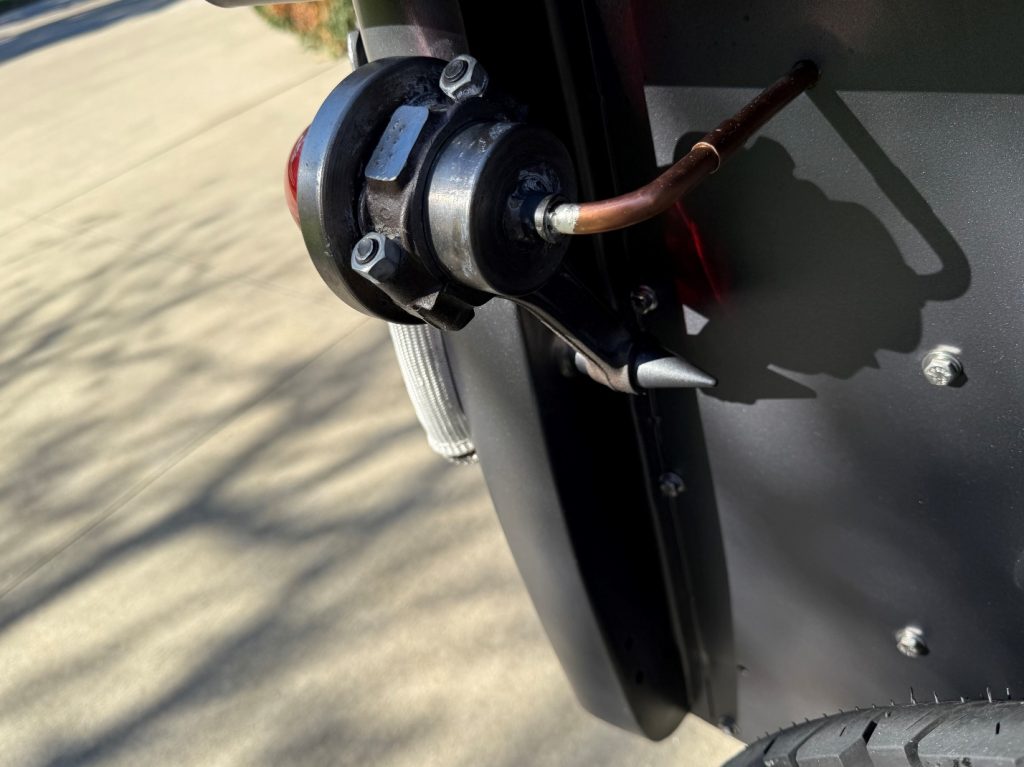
x: 699, y: 163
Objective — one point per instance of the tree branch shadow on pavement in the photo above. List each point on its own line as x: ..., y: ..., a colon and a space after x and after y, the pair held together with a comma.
x: 377, y: 561
x: 268, y: 647
x: 116, y: 312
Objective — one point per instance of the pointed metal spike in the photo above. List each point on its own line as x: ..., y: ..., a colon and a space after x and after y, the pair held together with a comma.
x: 936, y: 696
x: 963, y: 699
x: 670, y: 373
x: 913, y: 700
x: 892, y: 702
x: 988, y: 694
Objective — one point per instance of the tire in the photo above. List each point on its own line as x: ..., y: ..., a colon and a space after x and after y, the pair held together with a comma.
x: 975, y: 734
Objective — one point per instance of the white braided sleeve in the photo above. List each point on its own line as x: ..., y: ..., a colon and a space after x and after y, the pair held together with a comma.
x: 424, y: 364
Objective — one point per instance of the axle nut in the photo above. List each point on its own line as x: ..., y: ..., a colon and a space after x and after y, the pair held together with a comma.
x: 464, y: 78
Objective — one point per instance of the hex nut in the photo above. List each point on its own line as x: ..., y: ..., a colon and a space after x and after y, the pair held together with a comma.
x: 941, y: 368
x: 376, y: 258
x: 464, y: 78
x: 910, y: 642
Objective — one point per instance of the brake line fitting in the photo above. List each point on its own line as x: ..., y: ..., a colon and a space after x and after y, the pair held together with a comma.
x: 422, y: 193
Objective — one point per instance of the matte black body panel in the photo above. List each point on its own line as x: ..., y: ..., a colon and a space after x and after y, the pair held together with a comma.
x: 833, y: 495
x: 880, y: 217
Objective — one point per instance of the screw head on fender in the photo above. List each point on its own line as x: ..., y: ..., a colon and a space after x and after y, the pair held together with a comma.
x: 941, y: 368
x: 671, y: 485
x: 910, y: 642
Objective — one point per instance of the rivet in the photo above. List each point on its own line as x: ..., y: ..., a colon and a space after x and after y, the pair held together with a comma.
x: 671, y: 485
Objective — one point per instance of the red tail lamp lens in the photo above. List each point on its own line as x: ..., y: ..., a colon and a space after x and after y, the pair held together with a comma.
x: 291, y: 176
x: 698, y: 271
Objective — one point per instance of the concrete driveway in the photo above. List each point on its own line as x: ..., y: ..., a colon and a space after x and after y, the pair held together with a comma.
x: 222, y: 537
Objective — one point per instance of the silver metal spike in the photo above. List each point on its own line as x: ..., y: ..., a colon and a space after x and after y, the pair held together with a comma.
x: 963, y: 699
x: 913, y: 700
x: 936, y: 696
x: 670, y: 373
x: 988, y: 694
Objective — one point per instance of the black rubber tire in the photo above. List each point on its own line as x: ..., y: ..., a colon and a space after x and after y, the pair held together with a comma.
x: 973, y: 734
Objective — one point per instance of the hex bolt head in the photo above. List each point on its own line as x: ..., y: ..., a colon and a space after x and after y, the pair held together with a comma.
x: 464, y: 78
x: 376, y: 258
x: 365, y: 249
x: 644, y: 299
x: 455, y: 69
x: 941, y: 368
x: 910, y: 642
x: 671, y: 485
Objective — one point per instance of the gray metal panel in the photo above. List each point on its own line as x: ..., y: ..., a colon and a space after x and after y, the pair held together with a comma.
x: 864, y: 227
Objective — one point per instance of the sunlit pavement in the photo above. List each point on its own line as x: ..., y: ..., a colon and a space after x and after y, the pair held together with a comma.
x: 223, y: 539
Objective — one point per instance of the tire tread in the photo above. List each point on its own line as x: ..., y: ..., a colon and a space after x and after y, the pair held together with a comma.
x: 971, y: 734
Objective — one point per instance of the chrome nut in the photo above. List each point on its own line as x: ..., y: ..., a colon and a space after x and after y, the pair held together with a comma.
x: 377, y: 258
x: 941, y: 368
x: 464, y: 78
x: 910, y: 642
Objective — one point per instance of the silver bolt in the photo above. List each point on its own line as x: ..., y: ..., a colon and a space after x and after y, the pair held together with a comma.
x: 941, y: 368
x: 671, y: 485
x: 455, y: 69
x: 376, y: 258
x: 644, y: 299
x: 365, y: 249
x: 463, y: 78
x: 910, y: 642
